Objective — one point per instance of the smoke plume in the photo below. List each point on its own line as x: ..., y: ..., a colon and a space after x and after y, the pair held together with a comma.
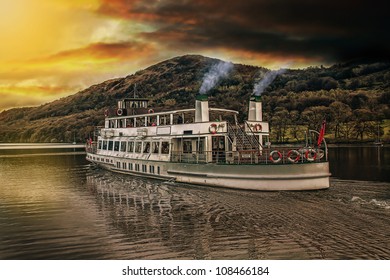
x: 268, y: 78
x: 216, y: 72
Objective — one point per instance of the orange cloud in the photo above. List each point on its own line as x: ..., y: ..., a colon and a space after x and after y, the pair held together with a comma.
x: 122, y: 51
x: 48, y: 78
x: 107, y: 55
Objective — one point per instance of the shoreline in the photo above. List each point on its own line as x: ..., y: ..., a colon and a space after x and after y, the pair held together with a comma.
x: 28, y: 146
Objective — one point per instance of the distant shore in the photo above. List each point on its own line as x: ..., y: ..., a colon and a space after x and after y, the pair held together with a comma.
x: 23, y: 146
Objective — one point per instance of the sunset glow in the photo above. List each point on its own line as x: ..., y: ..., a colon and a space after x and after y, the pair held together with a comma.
x: 51, y: 49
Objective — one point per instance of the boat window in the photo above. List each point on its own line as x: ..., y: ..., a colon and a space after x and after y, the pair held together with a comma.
x: 146, y: 147
x: 138, y: 147
x: 123, y: 146
x: 110, y: 145
x: 200, y: 146
x: 153, y: 122
x: 187, y: 146
x: 218, y: 143
x: 158, y: 169
x: 163, y: 120
x: 129, y: 122
x: 130, y: 166
x: 100, y: 145
x: 116, y: 145
x: 104, y: 145
x: 130, y: 147
x: 141, y: 122
x: 124, y: 165
x: 265, y: 140
x: 155, y: 147
x: 165, y: 147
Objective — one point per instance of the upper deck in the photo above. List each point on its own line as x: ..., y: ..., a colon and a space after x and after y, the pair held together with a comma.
x: 174, y: 123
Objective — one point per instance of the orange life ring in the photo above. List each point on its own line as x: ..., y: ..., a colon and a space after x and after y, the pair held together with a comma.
x: 213, y: 128
x: 293, y: 156
x: 277, y: 159
x: 311, y: 155
x: 150, y: 111
x: 258, y: 127
x: 119, y: 112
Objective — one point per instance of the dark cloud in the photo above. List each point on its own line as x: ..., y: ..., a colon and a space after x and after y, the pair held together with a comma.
x: 330, y: 30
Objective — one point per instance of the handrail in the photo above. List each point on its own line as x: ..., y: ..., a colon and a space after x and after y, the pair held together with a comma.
x: 253, y: 134
x: 283, y: 155
x: 151, y: 114
x: 169, y: 112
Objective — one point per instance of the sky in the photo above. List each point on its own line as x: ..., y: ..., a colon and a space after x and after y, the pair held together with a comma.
x: 53, y: 48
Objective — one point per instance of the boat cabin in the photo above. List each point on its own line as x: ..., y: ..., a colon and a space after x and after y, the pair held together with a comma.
x: 199, y: 134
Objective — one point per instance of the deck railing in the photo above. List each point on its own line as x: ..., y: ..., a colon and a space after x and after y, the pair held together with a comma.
x: 276, y: 155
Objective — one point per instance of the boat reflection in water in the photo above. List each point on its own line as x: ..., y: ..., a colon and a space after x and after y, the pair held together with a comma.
x: 162, y: 220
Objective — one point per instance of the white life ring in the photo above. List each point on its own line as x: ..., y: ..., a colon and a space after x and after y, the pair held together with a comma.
x: 150, y: 111
x: 213, y: 128
x: 258, y: 127
x: 119, y: 112
x: 273, y: 158
x: 293, y: 156
x: 311, y: 154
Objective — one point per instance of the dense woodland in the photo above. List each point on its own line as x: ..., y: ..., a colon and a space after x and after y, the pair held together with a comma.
x: 353, y: 97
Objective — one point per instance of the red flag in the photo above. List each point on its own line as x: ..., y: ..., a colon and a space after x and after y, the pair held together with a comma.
x: 322, y: 133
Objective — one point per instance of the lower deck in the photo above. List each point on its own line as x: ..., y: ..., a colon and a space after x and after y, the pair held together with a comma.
x: 267, y: 177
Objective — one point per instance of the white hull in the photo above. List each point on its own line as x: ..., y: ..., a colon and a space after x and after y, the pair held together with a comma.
x: 260, y: 177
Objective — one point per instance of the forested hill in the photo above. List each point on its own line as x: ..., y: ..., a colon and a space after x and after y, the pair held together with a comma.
x: 354, y: 98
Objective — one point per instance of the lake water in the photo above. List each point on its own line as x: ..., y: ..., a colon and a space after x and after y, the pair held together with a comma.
x: 57, y: 206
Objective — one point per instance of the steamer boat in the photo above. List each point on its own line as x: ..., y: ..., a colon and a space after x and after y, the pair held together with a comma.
x: 206, y: 146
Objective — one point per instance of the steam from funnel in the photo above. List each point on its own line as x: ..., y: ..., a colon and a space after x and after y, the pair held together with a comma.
x: 268, y: 78
x: 216, y: 72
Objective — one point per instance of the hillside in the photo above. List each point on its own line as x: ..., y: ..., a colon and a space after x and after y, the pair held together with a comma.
x: 353, y: 97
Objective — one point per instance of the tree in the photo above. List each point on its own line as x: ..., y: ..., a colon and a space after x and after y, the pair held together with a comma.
x: 363, y: 122
x: 314, y: 116
x: 295, y: 118
x: 280, y: 121
x: 340, y: 114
